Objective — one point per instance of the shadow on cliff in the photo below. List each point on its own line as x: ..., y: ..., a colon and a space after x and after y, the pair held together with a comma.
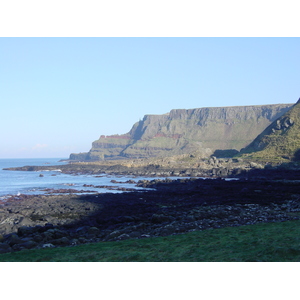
x: 227, y: 153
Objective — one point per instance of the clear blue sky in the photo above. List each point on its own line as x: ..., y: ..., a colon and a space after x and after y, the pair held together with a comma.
x: 58, y: 95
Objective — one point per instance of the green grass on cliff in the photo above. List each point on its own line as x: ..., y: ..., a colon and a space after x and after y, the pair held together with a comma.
x: 269, y: 242
x: 279, y: 145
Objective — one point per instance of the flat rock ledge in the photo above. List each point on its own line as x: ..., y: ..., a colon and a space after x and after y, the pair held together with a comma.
x: 174, y: 207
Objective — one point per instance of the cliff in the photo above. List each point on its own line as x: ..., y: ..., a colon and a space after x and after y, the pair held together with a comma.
x: 280, y: 140
x: 201, y: 130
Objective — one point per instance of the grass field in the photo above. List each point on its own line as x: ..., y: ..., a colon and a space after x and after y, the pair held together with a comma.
x: 265, y: 242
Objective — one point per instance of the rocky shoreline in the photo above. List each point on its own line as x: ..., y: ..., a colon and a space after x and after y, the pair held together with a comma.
x: 171, y: 207
x: 176, y: 166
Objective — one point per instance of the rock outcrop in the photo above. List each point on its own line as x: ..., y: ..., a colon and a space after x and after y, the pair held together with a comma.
x: 201, y: 130
x: 174, y: 207
x: 280, y: 140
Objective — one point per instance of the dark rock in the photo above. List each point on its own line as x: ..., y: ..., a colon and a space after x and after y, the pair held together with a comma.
x: 14, y: 239
x: 38, y: 238
x: 5, y: 248
x: 168, y: 230
x: 63, y: 241
x: 114, y: 234
x: 135, y: 234
x: 93, y: 231
x: 159, y: 218
x: 48, y: 236
x: 58, y: 233
x: 174, y: 207
x: 24, y: 230
x: 48, y: 245
x: 123, y: 236
x: 29, y: 244
x: 74, y: 242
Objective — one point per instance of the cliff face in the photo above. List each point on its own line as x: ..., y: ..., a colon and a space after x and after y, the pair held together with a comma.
x: 280, y: 140
x: 202, y: 130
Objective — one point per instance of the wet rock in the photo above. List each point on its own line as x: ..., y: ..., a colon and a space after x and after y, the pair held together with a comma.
x: 37, y: 238
x: 29, y: 244
x: 64, y: 241
x: 5, y: 248
x: 114, y: 234
x: 127, y: 219
x: 190, y: 218
x: 48, y: 245
x: 14, y: 239
x: 74, y: 242
x: 24, y: 230
x: 159, y: 218
x: 59, y: 233
x: 93, y: 231
x: 174, y: 207
x: 135, y: 234
x: 168, y: 230
x: 47, y: 236
x: 123, y: 236
x: 82, y: 230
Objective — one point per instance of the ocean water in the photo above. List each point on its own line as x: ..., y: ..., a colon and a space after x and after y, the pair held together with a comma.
x: 28, y: 182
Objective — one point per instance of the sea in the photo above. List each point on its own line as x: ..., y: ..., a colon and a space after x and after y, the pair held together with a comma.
x: 33, y: 183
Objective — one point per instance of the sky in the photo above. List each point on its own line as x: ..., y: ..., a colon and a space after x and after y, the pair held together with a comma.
x: 58, y: 95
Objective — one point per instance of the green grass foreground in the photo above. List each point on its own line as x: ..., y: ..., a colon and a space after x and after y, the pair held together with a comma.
x: 272, y: 242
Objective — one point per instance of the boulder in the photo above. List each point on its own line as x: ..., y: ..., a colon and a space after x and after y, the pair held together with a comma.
x: 4, y: 248
x: 93, y: 231
x: 25, y: 230
x: 29, y: 244
x: 64, y: 241
x: 123, y: 236
x: 48, y: 245
x: 135, y: 234
x: 82, y: 230
x: 159, y: 218
x: 14, y: 239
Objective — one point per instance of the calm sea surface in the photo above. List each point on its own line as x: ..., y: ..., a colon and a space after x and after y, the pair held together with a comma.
x: 15, y: 182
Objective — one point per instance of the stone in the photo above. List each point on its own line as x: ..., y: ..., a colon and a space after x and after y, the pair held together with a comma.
x: 114, y: 234
x: 47, y: 236
x: 168, y: 230
x: 64, y: 241
x: 29, y: 244
x: 82, y: 230
x: 4, y: 248
x: 24, y: 230
x: 159, y: 218
x: 58, y: 233
x: 123, y: 236
x: 74, y: 242
x: 93, y: 231
x: 135, y: 234
x: 48, y: 245
x: 14, y: 239
x: 37, y: 238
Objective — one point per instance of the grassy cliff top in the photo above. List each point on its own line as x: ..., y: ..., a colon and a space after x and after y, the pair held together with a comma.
x: 280, y: 141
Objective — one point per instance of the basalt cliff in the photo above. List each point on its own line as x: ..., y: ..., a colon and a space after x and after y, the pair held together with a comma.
x: 280, y: 140
x: 206, y: 131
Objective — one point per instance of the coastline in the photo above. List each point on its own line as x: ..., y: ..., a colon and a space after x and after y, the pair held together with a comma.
x: 174, y: 207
